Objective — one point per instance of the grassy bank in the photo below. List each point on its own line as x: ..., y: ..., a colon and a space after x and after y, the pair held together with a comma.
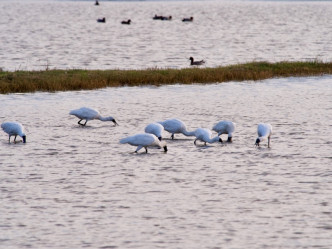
x: 67, y: 80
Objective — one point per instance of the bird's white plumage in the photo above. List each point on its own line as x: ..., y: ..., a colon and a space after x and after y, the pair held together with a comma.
x: 144, y: 140
x: 264, y: 131
x: 155, y: 129
x: 225, y: 127
x: 205, y: 135
x: 176, y: 126
x: 85, y: 113
x: 13, y: 129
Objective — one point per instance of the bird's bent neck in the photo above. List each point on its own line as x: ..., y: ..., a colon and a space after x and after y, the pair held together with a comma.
x: 189, y: 133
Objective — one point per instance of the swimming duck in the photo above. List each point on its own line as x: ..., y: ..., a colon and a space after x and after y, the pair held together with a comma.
x: 165, y: 18
x: 156, y: 17
x: 126, y: 22
x: 188, y: 19
x: 101, y: 19
x: 196, y: 63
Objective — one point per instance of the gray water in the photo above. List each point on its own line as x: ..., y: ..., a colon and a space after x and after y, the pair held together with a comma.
x: 65, y: 34
x: 77, y: 187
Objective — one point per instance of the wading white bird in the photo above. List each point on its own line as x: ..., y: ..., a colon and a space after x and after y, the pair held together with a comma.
x: 155, y: 129
x: 144, y: 140
x: 264, y: 131
x: 196, y: 63
x: 204, y: 135
x: 87, y: 114
x: 176, y: 126
x: 225, y: 127
x: 14, y: 129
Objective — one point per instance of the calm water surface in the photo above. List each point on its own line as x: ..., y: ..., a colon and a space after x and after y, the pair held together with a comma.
x: 65, y: 34
x: 74, y: 187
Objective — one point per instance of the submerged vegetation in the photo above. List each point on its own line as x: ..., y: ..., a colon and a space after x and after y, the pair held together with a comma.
x: 67, y: 80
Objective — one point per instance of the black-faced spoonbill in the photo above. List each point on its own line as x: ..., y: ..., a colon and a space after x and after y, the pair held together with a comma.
x: 225, y: 127
x: 14, y: 129
x: 155, y: 129
x: 204, y: 135
x: 87, y: 114
x: 144, y: 140
x: 264, y: 131
x: 176, y: 126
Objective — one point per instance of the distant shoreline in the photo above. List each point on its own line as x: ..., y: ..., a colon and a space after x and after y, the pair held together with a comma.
x: 73, y: 80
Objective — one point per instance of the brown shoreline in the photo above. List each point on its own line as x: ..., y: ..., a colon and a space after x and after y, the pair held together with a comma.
x: 70, y: 80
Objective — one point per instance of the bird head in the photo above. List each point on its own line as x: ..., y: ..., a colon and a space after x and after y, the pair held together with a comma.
x: 115, y: 123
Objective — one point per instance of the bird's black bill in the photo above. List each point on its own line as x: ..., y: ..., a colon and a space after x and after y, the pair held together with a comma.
x: 24, y: 139
x: 165, y: 148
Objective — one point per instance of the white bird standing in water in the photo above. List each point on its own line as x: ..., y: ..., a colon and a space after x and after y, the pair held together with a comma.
x: 176, y: 126
x: 87, y: 114
x: 14, y: 129
x: 264, y: 131
x: 144, y: 140
x: 155, y: 129
x: 204, y: 135
x: 225, y: 127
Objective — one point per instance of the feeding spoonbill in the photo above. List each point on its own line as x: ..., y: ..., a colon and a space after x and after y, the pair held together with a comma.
x: 204, y: 135
x: 225, y: 127
x: 144, y: 140
x: 14, y: 129
x: 264, y: 131
x: 196, y: 63
x: 87, y: 114
x: 176, y: 126
x: 155, y: 129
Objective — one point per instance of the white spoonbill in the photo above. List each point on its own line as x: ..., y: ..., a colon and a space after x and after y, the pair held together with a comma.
x: 155, y: 129
x: 87, y: 114
x: 204, y: 135
x: 225, y: 127
x: 176, y: 126
x: 144, y: 140
x: 14, y: 129
x: 264, y: 131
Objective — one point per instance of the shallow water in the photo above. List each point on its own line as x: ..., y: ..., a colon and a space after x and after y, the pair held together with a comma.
x: 65, y: 34
x: 74, y: 187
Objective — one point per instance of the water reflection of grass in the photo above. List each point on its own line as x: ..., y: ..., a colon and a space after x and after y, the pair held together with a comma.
x: 66, y: 80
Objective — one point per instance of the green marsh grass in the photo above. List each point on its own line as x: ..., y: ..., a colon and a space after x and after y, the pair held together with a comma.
x: 69, y: 80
